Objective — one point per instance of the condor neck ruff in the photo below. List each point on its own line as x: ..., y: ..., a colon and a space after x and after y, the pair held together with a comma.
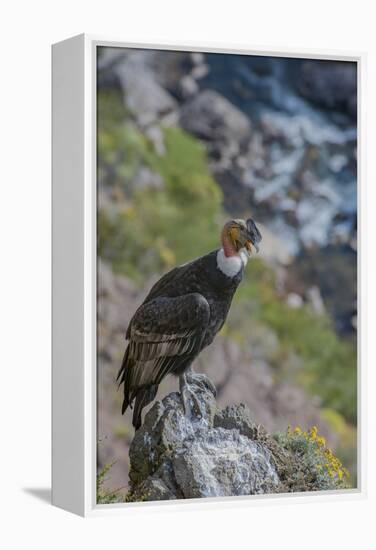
x: 231, y: 265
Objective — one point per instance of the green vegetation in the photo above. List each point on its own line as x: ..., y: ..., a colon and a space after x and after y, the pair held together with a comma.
x: 328, y: 362
x: 104, y: 496
x: 150, y: 230
x: 313, y: 466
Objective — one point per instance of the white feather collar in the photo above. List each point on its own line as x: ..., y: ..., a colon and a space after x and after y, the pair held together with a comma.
x: 231, y: 265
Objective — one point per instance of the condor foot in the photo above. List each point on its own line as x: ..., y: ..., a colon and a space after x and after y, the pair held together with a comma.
x: 190, y: 383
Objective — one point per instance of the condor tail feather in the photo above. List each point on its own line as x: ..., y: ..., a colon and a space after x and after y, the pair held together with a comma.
x: 143, y: 398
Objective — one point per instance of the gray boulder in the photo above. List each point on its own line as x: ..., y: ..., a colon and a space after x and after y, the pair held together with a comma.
x: 144, y: 97
x: 211, y: 117
x: 213, y: 453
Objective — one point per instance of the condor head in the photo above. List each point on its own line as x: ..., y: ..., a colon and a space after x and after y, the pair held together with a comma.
x: 242, y: 234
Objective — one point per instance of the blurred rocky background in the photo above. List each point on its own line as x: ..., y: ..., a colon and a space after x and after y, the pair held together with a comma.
x: 187, y: 140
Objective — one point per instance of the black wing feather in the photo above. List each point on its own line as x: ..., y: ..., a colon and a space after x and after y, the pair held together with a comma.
x: 163, y: 334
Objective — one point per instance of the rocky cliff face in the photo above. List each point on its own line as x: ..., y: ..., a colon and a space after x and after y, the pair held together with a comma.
x: 218, y: 452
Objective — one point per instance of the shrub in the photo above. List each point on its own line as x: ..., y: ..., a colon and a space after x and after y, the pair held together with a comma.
x: 313, y: 465
x: 103, y: 495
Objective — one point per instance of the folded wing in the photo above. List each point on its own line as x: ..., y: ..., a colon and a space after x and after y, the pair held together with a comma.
x: 164, y: 334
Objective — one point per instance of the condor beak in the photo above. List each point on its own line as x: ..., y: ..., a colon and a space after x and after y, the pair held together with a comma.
x: 254, y: 236
x: 249, y: 244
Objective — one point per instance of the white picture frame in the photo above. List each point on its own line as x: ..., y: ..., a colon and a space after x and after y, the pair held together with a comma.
x: 74, y: 279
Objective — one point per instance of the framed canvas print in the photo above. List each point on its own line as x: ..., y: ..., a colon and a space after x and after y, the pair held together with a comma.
x: 206, y: 291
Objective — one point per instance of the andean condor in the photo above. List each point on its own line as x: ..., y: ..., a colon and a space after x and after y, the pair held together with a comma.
x: 181, y: 316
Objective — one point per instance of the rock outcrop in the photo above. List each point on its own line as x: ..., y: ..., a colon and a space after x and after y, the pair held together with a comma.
x: 213, y: 453
x: 216, y: 452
